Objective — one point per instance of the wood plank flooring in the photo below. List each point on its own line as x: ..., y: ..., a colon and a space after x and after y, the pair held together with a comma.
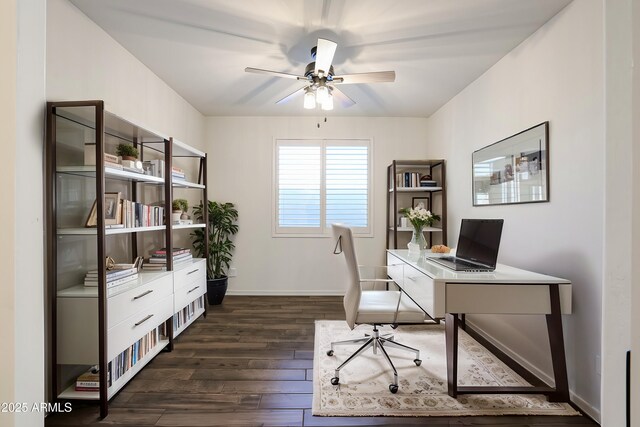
x: 249, y: 363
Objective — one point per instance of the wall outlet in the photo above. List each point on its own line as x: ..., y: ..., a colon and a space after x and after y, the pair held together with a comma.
x: 598, y: 364
x: 233, y: 272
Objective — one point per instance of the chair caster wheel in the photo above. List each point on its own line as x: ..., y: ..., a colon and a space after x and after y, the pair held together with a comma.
x: 393, y: 388
x: 394, y: 326
x: 335, y: 381
x: 418, y: 362
x: 330, y: 353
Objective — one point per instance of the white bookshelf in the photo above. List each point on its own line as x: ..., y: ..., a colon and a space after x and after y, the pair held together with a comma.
x: 90, y: 171
x: 415, y: 189
x: 108, y: 231
x: 424, y: 230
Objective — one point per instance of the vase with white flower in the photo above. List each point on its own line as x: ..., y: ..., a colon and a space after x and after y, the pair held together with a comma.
x: 419, y: 217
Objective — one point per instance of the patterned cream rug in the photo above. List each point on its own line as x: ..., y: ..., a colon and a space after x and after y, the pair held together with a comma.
x: 363, y: 388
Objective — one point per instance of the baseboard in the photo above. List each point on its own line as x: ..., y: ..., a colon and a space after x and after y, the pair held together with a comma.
x: 578, y: 401
x: 297, y: 292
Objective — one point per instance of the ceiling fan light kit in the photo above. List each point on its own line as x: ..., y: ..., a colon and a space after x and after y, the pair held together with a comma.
x: 320, y: 78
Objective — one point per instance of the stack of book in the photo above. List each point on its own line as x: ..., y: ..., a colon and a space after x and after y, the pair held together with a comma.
x: 177, y: 173
x: 114, y: 277
x: 111, y: 161
x: 89, y: 381
x: 428, y: 183
x: 158, y: 259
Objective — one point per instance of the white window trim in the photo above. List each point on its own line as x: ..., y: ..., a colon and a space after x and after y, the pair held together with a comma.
x: 323, y: 231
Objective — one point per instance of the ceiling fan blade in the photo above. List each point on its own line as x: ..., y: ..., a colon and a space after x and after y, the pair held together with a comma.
x: 274, y: 73
x: 375, y: 77
x: 292, y: 96
x: 342, y: 98
x: 324, y: 55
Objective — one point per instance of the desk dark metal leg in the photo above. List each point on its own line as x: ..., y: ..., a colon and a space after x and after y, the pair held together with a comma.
x: 556, y: 341
x: 451, y: 337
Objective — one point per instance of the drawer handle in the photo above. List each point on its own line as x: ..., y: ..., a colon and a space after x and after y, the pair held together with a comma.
x: 143, y: 294
x: 191, y: 272
x: 143, y: 320
x: 191, y: 290
x: 413, y: 279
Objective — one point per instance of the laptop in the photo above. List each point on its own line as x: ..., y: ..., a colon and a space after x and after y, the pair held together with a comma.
x: 478, y: 245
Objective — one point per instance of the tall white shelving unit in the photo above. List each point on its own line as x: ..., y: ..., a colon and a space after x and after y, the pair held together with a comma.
x: 119, y: 329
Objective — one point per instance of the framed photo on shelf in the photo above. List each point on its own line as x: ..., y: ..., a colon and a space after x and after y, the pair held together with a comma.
x: 111, y: 203
x: 111, y: 208
x: 426, y: 202
x: 92, y: 219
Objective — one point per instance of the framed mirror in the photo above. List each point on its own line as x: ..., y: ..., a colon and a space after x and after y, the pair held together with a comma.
x: 513, y: 170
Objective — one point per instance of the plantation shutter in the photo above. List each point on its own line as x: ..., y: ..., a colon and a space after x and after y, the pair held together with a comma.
x: 347, y: 185
x: 321, y: 182
x: 298, y: 187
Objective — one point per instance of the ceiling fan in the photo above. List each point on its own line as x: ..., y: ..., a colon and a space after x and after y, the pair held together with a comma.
x: 321, y: 80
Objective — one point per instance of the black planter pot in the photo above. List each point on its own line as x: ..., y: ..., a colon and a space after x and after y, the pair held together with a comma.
x: 216, y: 289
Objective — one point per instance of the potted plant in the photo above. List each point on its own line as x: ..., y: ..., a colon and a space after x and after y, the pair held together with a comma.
x: 179, y: 207
x: 222, y: 225
x: 127, y: 152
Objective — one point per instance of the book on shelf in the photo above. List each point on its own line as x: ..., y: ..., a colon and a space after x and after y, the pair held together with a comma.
x: 175, y: 251
x: 163, y: 259
x: 161, y: 264
x: 112, y: 281
x: 112, y: 165
x: 89, y: 381
x: 413, y: 180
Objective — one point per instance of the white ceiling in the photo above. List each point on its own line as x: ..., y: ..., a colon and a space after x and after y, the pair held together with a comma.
x: 436, y: 47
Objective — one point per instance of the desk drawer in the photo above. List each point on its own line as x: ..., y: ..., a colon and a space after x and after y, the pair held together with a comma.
x: 135, y: 327
x: 189, y: 293
x: 126, y: 304
x: 420, y: 288
x: 189, y: 274
x: 474, y: 298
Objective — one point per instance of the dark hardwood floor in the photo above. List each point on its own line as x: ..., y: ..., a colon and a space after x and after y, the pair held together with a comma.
x: 249, y: 363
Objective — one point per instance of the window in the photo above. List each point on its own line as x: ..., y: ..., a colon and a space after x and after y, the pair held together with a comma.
x: 320, y: 182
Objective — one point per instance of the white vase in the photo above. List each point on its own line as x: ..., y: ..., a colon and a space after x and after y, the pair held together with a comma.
x: 175, y: 216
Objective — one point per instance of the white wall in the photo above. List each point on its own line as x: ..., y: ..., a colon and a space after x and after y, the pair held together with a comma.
x: 557, y: 74
x: 240, y: 171
x: 84, y: 62
x: 8, y: 93
x: 634, y: 282
x: 22, y: 44
x: 616, y: 295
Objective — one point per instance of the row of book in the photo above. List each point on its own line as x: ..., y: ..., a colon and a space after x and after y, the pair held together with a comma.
x: 114, y: 277
x: 187, y: 313
x: 414, y: 180
x: 132, y: 355
x: 139, y: 215
x: 157, y: 261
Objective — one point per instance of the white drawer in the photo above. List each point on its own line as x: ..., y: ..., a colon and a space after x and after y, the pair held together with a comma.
x: 121, y: 306
x: 135, y: 327
x: 189, y: 274
x: 185, y: 295
x: 395, y: 268
x: 421, y: 289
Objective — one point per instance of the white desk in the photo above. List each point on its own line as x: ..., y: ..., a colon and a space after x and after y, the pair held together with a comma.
x: 444, y: 293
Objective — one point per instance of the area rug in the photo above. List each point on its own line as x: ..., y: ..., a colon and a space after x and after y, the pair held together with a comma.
x: 363, y: 388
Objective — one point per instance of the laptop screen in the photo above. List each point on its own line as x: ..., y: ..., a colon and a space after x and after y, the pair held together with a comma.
x: 479, y: 240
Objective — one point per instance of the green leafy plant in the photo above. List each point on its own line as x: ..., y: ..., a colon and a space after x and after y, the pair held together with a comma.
x: 222, y: 225
x: 126, y: 150
x: 180, y: 205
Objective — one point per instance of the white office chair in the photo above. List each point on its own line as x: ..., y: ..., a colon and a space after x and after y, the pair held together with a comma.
x: 372, y: 307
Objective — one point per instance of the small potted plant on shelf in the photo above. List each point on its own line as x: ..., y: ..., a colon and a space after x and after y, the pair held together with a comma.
x: 127, y: 152
x: 222, y: 225
x: 179, y: 208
